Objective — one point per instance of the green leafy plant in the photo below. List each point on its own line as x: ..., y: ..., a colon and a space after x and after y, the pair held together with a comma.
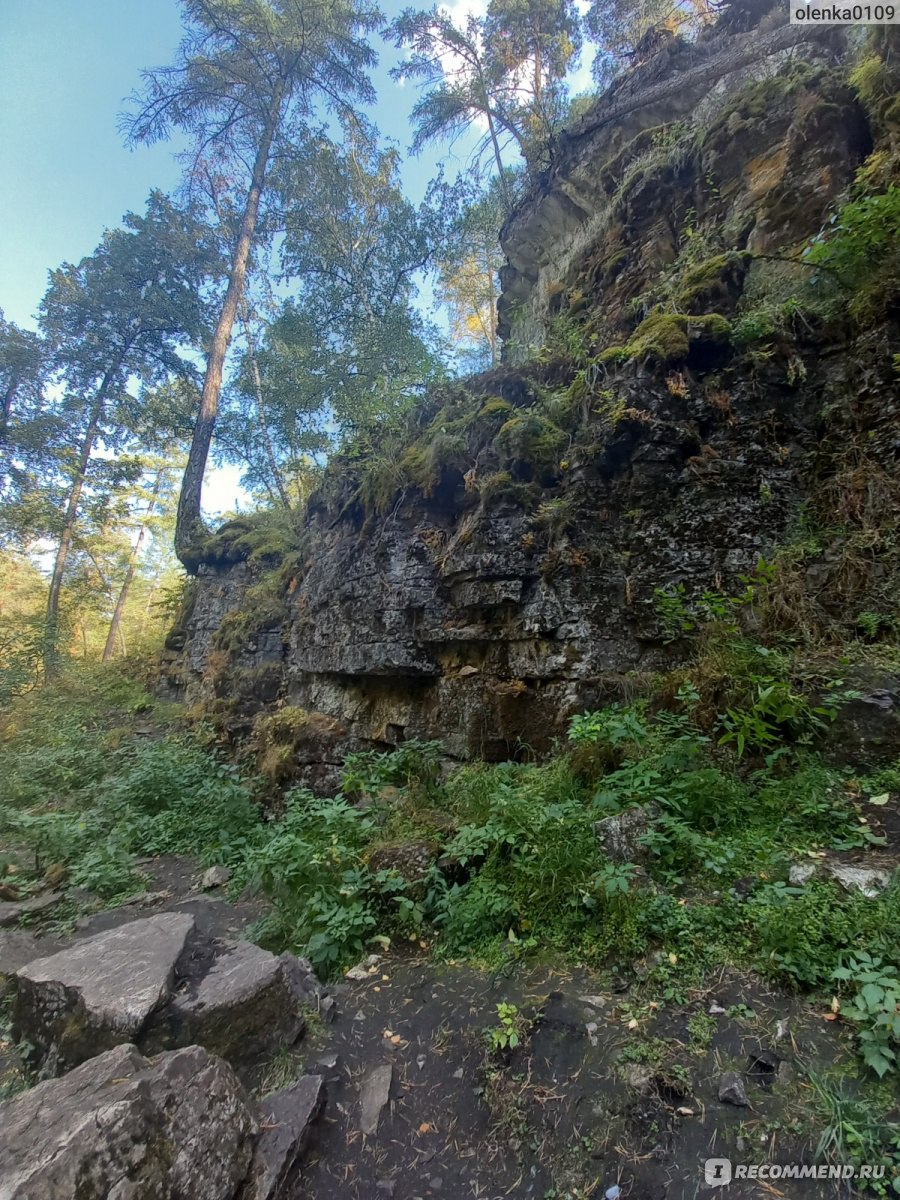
x: 874, y: 1008
x: 774, y: 712
x: 509, y: 1031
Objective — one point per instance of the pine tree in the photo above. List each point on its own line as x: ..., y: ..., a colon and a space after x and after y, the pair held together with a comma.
x: 249, y: 75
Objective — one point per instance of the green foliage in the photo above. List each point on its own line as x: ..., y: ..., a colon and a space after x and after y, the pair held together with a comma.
x: 773, y: 713
x: 613, y: 726
x: 413, y: 764
x: 874, y: 1008
x: 856, y: 1134
x: 312, y: 869
x: 805, y: 934
x: 507, y: 1034
x: 82, y: 792
x: 860, y: 251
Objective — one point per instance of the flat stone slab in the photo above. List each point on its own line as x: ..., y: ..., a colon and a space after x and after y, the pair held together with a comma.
x: 122, y: 1128
x: 286, y: 1118
x: 375, y: 1097
x: 12, y: 911
x: 99, y: 992
x: 246, y: 1004
x: 870, y: 881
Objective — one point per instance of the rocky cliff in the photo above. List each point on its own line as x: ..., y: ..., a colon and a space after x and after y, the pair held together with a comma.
x: 681, y: 390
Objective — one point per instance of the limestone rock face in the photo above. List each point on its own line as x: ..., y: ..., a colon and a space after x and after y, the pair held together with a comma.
x: 122, y: 1128
x: 517, y: 580
x: 99, y: 992
x: 601, y: 224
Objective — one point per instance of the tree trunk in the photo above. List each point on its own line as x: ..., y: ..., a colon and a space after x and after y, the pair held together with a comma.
x: 109, y: 648
x: 492, y: 301
x: 504, y: 188
x: 189, y: 522
x: 51, y: 626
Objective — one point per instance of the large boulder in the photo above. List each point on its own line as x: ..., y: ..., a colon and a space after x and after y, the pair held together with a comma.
x: 248, y: 1003
x: 99, y: 993
x: 120, y: 1127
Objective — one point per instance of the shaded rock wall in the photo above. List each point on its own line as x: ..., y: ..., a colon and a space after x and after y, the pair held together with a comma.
x: 484, y: 620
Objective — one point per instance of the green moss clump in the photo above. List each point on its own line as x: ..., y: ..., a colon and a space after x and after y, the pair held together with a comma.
x: 494, y: 406
x: 662, y: 337
x: 613, y: 354
x: 533, y: 439
x: 267, y: 536
x: 424, y: 462
x: 713, y: 281
x: 241, y: 624
x: 755, y: 101
x: 666, y: 337
x: 501, y: 486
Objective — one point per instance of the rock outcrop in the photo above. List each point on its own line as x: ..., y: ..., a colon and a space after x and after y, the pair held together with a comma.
x: 154, y: 983
x: 512, y: 561
x: 100, y: 992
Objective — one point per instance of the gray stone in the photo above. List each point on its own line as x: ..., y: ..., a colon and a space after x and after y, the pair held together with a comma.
x: 597, y: 1002
x: 120, y: 1127
x: 12, y: 911
x: 285, y: 1118
x: 375, y: 1097
x: 215, y: 877
x: 866, y: 728
x: 99, y: 992
x: 801, y: 873
x: 306, y: 986
x: 638, y: 1076
x: 245, y: 1005
x: 620, y: 834
x: 16, y: 949
x: 869, y: 881
x: 732, y: 1090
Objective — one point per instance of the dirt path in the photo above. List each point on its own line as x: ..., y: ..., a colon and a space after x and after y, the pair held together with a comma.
x: 585, y: 1103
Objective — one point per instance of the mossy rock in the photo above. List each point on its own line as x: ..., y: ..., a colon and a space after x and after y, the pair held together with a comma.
x: 281, y: 735
x: 502, y: 486
x: 717, y: 281
x: 533, y: 439
x: 242, y: 625
x: 496, y: 406
x: 425, y: 462
x: 667, y: 337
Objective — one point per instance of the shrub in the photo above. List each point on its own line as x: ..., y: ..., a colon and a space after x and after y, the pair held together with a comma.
x: 860, y: 250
